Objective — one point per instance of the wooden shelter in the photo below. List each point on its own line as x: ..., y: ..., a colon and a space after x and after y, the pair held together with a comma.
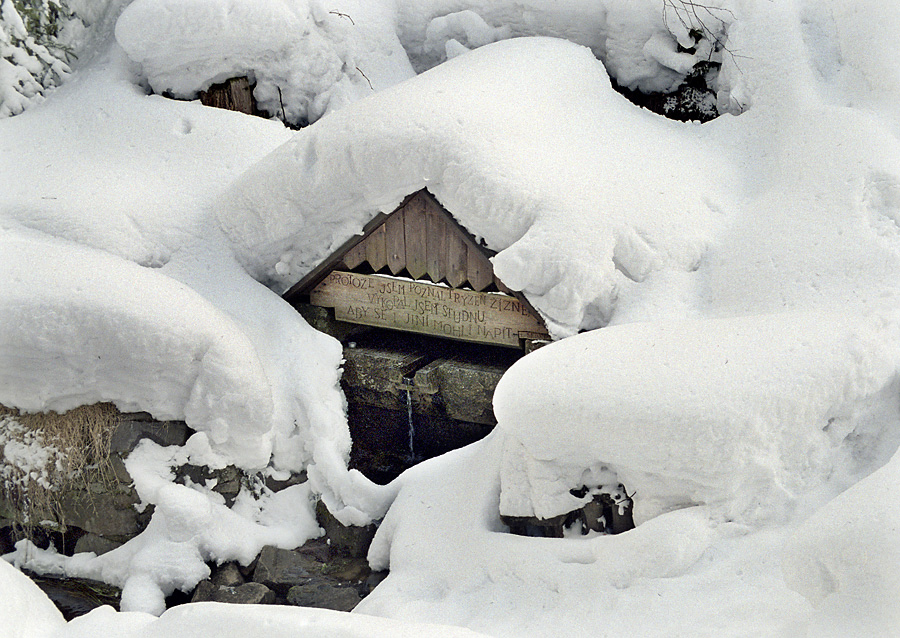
x: 418, y: 270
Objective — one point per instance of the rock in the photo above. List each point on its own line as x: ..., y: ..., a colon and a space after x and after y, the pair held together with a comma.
x: 226, y: 481
x: 350, y: 540
x: 373, y: 580
x: 281, y: 569
x: 96, y: 544
x: 137, y: 427
x: 278, y: 484
x: 111, y: 514
x: 204, y: 592
x: 77, y: 596
x: 323, y: 594
x: 374, y: 375
x: 227, y: 575
x: 246, y: 594
x: 351, y: 570
x: 465, y: 388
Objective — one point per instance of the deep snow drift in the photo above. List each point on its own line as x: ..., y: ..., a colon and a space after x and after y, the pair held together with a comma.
x: 746, y: 273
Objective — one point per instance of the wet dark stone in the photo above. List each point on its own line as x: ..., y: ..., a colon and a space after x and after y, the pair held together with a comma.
x: 281, y: 569
x: 349, y: 540
x: 246, y: 594
x: 227, y: 575
x: 131, y: 430
x: 323, y: 594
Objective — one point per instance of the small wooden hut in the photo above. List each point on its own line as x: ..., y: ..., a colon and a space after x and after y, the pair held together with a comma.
x: 417, y: 270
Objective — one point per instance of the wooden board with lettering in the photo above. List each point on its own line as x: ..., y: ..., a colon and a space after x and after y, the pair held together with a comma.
x: 426, y: 308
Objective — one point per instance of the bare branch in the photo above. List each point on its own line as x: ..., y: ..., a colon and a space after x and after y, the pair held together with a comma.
x: 343, y: 15
x: 367, y: 78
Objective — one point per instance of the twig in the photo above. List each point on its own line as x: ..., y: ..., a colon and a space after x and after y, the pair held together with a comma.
x: 343, y: 15
x: 281, y: 101
x: 367, y: 78
x: 694, y: 8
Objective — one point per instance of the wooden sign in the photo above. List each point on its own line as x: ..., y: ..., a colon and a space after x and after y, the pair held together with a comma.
x: 426, y: 308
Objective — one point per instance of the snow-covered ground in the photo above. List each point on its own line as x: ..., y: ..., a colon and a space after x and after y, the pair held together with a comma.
x: 744, y: 274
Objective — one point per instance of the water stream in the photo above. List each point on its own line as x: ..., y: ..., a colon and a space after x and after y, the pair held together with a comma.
x: 408, y: 384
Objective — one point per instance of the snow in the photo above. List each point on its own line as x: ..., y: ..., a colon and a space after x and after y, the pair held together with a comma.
x: 745, y: 275
x: 201, y: 619
x: 518, y: 197
x: 741, y: 414
x: 305, y: 58
x: 26, y: 611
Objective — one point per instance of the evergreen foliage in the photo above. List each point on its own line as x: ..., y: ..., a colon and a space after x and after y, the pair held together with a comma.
x: 33, y: 56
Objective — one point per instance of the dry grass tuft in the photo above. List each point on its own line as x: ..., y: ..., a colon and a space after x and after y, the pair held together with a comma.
x: 44, y: 454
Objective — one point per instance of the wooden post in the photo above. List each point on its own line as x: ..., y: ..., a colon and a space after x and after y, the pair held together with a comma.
x: 235, y: 94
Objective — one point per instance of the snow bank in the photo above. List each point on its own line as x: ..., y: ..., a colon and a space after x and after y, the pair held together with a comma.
x: 843, y: 559
x: 250, y: 621
x: 190, y: 528
x: 120, y: 287
x: 555, y: 202
x: 744, y: 414
x: 128, y: 335
x: 770, y: 241
x: 310, y: 57
x: 305, y: 57
x: 638, y: 41
x: 25, y: 610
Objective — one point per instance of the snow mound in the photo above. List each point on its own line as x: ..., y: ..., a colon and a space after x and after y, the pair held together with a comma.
x: 25, y: 610
x: 743, y: 414
x: 645, y: 44
x: 127, y: 335
x: 251, y: 621
x: 305, y: 57
x: 843, y: 559
x: 570, y: 230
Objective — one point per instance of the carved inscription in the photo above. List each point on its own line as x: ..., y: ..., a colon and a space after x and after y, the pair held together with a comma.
x: 423, y: 307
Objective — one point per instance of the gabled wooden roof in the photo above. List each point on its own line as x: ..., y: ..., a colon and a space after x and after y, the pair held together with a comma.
x: 443, y: 284
x: 421, y: 238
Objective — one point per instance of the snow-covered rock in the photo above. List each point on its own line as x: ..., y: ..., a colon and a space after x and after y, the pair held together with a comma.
x: 306, y: 58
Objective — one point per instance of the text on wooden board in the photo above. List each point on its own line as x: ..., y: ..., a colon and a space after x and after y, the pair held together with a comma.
x: 427, y: 308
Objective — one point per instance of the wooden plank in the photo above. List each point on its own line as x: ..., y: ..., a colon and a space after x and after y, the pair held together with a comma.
x: 479, y: 270
x: 426, y: 308
x: 435, y: 242
x: 235, y: 94
x: 502, y: 287
x: 415, y: 230
x: 395, y: 242
x: 355, y: 256
x: 457, y: 260
x: 376, y: 253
